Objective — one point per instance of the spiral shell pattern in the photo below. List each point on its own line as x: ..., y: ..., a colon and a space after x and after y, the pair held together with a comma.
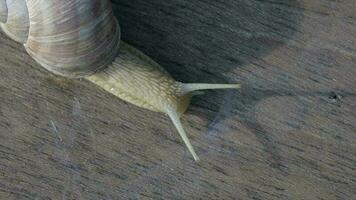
x: 72, y: 38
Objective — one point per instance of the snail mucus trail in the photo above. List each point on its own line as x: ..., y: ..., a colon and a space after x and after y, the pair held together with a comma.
x: 81, y: 39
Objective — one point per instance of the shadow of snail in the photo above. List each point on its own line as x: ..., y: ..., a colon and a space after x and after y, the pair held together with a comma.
x: 81, y: 39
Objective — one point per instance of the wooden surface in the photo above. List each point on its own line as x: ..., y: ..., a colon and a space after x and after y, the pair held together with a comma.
x: 288, y: 134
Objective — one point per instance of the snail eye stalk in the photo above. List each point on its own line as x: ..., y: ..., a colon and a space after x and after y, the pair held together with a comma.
x: 191, y: 87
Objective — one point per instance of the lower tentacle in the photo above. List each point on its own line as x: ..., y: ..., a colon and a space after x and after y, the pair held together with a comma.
x: 177, y: 123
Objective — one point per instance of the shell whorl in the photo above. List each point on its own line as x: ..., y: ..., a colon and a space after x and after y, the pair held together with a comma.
x: 14, y: 19
x: 72, y: 38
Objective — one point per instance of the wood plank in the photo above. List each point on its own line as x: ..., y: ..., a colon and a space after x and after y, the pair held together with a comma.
x: 288, y: 134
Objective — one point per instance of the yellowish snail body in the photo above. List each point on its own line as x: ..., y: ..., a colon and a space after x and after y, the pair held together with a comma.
x: 81, y: 38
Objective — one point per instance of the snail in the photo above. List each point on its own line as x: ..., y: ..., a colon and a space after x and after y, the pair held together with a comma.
x: 81, y: 39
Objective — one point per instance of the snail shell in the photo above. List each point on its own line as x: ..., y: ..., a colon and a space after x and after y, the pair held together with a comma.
x: 69, y: 38
x: 80, y: 38
x: 72, y: 38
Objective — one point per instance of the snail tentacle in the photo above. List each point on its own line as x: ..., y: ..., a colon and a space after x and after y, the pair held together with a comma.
x: 191, y: 87
x: 177, y: 123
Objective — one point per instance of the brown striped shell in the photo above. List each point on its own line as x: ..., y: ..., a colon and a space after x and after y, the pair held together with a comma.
x: 72, y: 38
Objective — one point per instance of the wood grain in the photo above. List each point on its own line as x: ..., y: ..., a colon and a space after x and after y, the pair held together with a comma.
x: 288, y: 134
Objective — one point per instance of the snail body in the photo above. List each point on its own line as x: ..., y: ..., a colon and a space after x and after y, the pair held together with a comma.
x: 81, y: 38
